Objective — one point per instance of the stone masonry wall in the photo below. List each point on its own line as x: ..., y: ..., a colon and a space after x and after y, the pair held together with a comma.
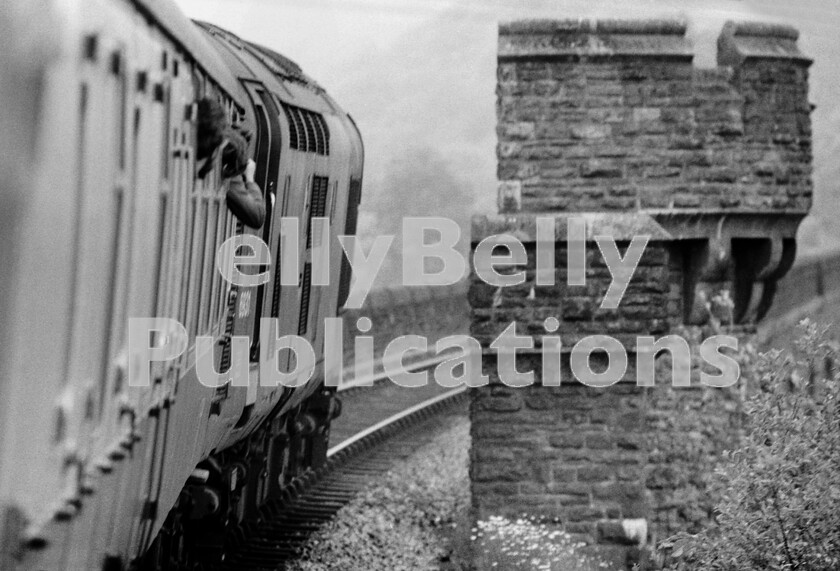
x: 611, y: 120
x: 651, y: 304
x: 613, y: 116
x: 589, y: 459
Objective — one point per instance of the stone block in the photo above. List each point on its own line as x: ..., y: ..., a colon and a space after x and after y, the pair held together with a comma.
x: 591, y: 131
x: 510, y: 471
x: 567, y: 439
x: 594, y: 473
x: 600, y: 441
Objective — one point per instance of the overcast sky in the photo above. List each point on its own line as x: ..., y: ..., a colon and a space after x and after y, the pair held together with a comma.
x: 419, y: 76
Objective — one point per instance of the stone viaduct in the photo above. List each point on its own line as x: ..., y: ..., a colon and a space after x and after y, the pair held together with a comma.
x: 610, y: 121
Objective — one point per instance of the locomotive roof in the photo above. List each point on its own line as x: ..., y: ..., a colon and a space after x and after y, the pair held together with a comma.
x: 282, y: 76
x: 184, y: 32
x: 278, y: 64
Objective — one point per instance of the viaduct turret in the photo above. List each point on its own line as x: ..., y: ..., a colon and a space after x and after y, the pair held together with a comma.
x: 610, y: 122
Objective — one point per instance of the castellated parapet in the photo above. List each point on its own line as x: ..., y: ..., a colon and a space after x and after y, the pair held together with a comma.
x: 613, y: 116
x: 610, y: 121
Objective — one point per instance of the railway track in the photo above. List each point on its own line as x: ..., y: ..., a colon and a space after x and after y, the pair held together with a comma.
x: 396, y: 422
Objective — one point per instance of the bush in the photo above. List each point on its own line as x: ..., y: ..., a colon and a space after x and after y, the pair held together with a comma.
x: 393, y: 525
x: 779, y: 491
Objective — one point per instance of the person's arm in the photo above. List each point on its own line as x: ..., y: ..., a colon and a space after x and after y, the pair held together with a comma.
x: 245, y: 199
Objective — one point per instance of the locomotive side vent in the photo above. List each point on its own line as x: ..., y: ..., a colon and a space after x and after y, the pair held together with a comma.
x: 312, y: 139
x: 308, y: 130
x: 319, y: 196
x: 318, y: 209
x: 294, y: 134
x: 303, y: 317
x: 275, y: 296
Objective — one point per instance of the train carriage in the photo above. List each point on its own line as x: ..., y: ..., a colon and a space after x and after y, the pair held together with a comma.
x: 105, y: 219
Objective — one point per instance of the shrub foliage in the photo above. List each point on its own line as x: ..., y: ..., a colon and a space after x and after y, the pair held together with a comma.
x: 779, y: 491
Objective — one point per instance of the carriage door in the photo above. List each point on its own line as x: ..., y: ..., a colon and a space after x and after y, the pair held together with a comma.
x: 267, y: 156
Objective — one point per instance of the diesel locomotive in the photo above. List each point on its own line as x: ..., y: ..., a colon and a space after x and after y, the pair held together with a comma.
x: 104, y: 218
